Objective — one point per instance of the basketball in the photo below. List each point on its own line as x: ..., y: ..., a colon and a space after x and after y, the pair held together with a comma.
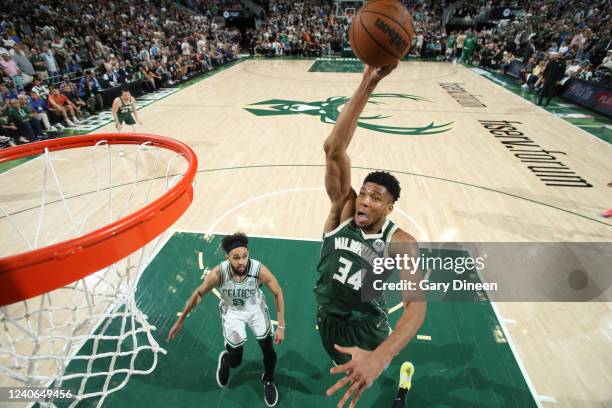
x: 381, y: 32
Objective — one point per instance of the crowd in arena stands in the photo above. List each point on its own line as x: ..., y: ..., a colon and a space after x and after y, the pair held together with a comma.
x: 63, y: 61
x: 428, y: 41
x: 319, y: 28
x: 574, y: 34
x: 291, y: 28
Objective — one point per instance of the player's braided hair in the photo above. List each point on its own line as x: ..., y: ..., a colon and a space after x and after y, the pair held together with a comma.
x: 386, y: 180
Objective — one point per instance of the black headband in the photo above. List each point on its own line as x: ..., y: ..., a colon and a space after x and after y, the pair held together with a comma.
x: 235, y: 245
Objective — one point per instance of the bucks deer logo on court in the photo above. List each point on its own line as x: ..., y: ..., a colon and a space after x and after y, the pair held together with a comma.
x: 329, y: 110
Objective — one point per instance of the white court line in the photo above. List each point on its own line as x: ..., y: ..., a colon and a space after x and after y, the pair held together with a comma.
x: 201, y: 260
x: 422, y: 233
x: 509, y: 321
x: 515, y: 352
x: 547, y: 398
x: 396, y: 308
x: 39, y: 157
x: 42, y: 157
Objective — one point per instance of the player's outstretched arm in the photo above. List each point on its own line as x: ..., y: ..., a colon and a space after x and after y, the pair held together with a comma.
x: 266, y: 277
x: 212, y: 280
x: 337, y: 162
x: 366, y: 366
x: 415, y: 303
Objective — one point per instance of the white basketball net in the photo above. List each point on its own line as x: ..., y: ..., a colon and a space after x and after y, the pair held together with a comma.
x: 89, y: 336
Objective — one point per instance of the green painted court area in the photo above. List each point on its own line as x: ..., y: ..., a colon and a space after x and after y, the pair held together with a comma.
x: 467, y: 362
x: 351, y: 65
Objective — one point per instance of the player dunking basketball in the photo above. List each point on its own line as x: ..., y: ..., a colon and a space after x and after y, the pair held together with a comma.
x: 239, y: 279
x: 355, y: 331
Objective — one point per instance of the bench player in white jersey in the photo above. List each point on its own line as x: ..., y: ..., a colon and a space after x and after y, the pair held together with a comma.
x: 239, y: 279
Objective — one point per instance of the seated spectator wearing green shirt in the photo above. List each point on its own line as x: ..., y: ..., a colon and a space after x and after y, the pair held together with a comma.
x: 28, y: 127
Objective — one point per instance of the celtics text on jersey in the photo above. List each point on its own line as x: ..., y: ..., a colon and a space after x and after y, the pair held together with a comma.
x: 242, y: 295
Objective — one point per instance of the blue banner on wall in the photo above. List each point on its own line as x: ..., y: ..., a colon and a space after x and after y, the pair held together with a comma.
x: 590, y: 95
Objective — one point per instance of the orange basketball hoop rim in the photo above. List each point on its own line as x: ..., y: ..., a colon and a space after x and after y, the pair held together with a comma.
x: 42, y: 270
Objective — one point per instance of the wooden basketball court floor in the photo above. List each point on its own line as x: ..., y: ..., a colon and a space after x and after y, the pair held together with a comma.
x: 258, y: 130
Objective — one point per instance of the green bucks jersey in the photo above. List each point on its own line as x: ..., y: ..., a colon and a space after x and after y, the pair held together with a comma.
x: 244, y: 295
x: 346, y: 253
x: 125, y: 112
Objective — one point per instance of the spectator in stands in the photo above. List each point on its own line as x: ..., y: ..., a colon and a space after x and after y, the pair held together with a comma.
x: 41, y: 88
x: 62, y: 106
x: 52, y: 66
x: 110, y: 79
x: 28, y: 127
x: 11, y: 70
x: 607, y: 61
x: 39, y: 63
x: 23, y: 63
x: 39, y: 111
x: 24, y: 103
x: 535, y: 75
x: 74, y: 67
x: 527, y: 70
x: 507, y: 59
x: 162, y: 75
x: 153, y: 77
x: 587, y: 71
x: 71, y: 90
x: 573, y: 70
x: 89, y: 91
x: 7, y: 94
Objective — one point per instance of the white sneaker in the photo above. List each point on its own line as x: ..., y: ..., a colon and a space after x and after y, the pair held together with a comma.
x: 70, y: 123
x: 4, y: 139
x: 75, y: 120
x: 23, y: 140
x: 59, y: 126
x: 524, y: 86
x: 12, y: 143
x: 52, y: 129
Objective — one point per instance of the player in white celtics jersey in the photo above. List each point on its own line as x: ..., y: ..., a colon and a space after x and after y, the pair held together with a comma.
x: 355, y: 329
x: 239, y: 279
